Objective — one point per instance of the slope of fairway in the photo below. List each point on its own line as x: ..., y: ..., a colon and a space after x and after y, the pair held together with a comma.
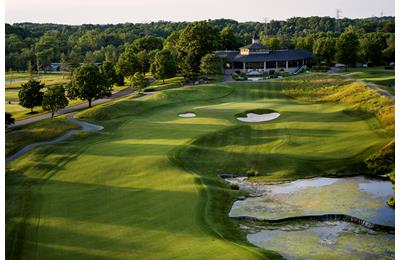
x: 117, y: 194
x: 147, y: 185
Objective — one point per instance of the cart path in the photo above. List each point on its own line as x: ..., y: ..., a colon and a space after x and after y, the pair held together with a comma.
x: 85, y: 126
x: 117, y: 94
x: 369, y: 85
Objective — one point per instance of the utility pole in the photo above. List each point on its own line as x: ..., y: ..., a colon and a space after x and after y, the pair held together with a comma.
x: 337, y: 24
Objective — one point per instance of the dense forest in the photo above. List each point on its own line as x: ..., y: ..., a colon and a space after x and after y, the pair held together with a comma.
x: 35, y: 46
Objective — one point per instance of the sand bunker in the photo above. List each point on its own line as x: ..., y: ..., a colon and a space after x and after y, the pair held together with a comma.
x: 252, y: 117
x: 187, y: 115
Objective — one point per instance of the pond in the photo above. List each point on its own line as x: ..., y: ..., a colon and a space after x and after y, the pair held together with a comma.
x: 354, y: 196
x: 323, y: 240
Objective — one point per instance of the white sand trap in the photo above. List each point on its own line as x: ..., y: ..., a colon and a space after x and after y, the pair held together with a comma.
x: 187, y: 115
x: 254, y: 118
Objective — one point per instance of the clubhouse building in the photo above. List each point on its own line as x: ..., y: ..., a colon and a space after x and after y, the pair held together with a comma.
x: 256, y: 58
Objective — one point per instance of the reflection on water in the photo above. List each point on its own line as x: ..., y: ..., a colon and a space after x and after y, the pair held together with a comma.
x: 354, y: 196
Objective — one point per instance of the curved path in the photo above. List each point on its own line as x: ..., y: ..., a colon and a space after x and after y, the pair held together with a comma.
x: 369, y: 85
x: 117, y: 94
x: 85, y: 126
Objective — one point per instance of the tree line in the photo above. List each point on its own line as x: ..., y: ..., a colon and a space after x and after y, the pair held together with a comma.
x: 188, y: 51
x: 36, y: 46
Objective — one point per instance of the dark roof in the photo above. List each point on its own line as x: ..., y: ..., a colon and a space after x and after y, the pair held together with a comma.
x: 254, y: 46
x: 279, y: 55
x: 229, y: 55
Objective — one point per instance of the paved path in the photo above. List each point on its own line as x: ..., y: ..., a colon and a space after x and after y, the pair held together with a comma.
x: 74, y: 108
x: 369, y: 85
x: 85, y: 126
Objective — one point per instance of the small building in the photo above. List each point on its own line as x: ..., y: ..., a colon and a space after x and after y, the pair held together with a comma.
x: 256, y: 58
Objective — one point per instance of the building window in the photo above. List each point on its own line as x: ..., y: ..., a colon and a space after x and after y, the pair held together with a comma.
x: 238, y: 65
x: 254, y: 65
x: 281, y: 64
x: 294, y: 63
x: 270, y: 64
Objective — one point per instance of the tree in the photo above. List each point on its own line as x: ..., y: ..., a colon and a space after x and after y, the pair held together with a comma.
x: 9, y: 119
x: 306, y: 43
x: 211, y: 64
x: 186, y: 68
x: 88, y: 84
x: 63, y: 63
x: 229, y: 40
x: 89, y: 57
x: 111, y: 54
x: 347, y: 47
x: 30, y: 94
x: 196, y: 40
x: 127, y: 63
x: 43, y: 59
x: 389, y: 52
x: 147, y: 43
x: 164, y: 65
x: 73, y: 60
x: 273, y: 43
x: 109, y: 71
x: 371, y: 47
x: 54, y: 99
x: 143, y: 61
x: 324, y: 48
x: 171, y: 43
x: 139, y: 81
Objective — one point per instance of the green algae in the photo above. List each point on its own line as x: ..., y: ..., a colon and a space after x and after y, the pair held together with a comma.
x: 342, y: 196
x: 323, y: 240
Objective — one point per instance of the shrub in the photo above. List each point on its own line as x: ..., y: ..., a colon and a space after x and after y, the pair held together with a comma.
x: 320, y: 68
x: 9, y: 119
x: 239, y: 76
x: 284, y: 74
x: 252, y: 173
x: 391, y: 202
x: 234, y: 186
x: 382, y: 162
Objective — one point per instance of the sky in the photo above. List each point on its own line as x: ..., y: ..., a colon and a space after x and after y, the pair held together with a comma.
x: 121, y: 11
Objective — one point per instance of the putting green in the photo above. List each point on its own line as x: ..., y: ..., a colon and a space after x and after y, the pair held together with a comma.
x: 146, y: 186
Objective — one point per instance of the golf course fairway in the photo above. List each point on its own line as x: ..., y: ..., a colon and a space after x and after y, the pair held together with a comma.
x: 147, y: 186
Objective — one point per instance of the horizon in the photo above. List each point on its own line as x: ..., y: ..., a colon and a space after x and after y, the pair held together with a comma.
x: 170, y: 21
x: 123, y: 11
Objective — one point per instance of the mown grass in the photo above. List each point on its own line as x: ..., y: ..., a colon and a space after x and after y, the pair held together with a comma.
x: 123, y: 194
x: 18, y: 137
x: 147, y: 186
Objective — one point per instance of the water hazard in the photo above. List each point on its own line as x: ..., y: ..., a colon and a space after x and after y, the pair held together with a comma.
x: 354, y: 196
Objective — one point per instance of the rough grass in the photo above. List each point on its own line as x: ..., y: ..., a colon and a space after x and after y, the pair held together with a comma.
x: 19, y: 112
x: 43, y: 130
x: 147, y: 185
x: 13, y: 85
x: 348, y: 92
x: 382, y: 78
